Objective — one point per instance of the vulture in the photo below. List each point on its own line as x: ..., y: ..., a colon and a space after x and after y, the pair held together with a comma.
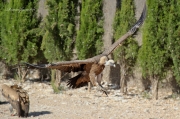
x: 91, y: 68
x: 18, y: 98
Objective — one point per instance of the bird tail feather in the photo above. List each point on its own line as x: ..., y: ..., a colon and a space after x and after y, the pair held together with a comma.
x: 77, y: 81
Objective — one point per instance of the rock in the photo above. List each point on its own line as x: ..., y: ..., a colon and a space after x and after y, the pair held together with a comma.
x: 124, y: 101
x: 27, y: 87
x: 146, y: 110
x: 176, y: 108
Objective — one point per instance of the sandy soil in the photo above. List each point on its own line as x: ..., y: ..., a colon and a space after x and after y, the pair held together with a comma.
x: 81, y: 104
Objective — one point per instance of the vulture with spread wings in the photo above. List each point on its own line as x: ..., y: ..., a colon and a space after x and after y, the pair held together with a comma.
x: 90, y: 68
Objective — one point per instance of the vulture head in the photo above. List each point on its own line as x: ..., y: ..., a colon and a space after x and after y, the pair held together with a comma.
x: 110, y: 63
x: 105, y: 61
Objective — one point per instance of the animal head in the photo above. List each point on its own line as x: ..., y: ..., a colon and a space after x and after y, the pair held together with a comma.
x: 103, y: 60
x: 110, y: 63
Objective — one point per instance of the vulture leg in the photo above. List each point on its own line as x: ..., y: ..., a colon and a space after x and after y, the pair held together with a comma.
x: 12, y: 110
x: 92, y: 79
x: 99, y: 78
x: 95, y: 81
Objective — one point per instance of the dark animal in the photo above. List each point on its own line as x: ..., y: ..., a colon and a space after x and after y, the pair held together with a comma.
x: 92, y: 67
x: 18, y: 98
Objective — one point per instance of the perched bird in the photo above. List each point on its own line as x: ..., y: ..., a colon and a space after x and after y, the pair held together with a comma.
x: 90, y: 68
x: 18, y: 98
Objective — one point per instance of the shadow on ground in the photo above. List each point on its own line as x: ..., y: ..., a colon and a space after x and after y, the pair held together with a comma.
x: 34, y: 114
x: 4, y: 102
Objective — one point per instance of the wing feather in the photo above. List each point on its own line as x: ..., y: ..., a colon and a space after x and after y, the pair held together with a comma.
x: 78, y: 81
x: 24, y: 99
x: 128, y: 34
x: 63, y: 67
x: 75, y: 65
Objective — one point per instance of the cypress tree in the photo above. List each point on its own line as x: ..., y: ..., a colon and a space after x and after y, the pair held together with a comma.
x: 59, y: 30
x: 173, y: 39
x: 58, y: 34
x: 89, y: 36
x: 153, y: 54
x: 126, y: 54
x: 19, y: 27
x: 2, y: 3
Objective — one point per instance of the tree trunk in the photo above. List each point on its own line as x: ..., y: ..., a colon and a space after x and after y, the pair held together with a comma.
x: 154, y: 83
x: 22, y: 73
x: 123, y: 80
x: 19, y: 72
x: 58, y: 78
x: 55, y: 80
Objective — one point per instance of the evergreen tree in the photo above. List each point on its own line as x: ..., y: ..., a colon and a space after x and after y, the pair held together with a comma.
x: 153, y: 54
x: 89, y: 37
x: 59, y: 31
x: 173, y: 39
x: 126, y: 54
x: 58, y: 34
x: 2, y: 4
x: 19, y: 31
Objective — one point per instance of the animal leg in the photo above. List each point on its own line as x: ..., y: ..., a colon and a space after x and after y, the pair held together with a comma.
x: 92, y: 79
x: 95, y: 81
x: 103, y: 89
x: 13, y: 111
x: 99, y: 78
x: 89, y: 86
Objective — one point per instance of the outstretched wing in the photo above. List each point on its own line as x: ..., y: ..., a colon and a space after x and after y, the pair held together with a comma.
x: 75, y: 67
x: 78, y: 65
x: 67, y: 66
x: 129, y: 33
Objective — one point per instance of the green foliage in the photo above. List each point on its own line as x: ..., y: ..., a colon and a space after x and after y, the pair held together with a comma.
x: 124, y: 19
x: 1, y: 9
x: 59, y: 30
x: 19, y: 38
x: 173, y: 39
x: 89, y: 36
x: 155, y: 55
x: 146, y: 95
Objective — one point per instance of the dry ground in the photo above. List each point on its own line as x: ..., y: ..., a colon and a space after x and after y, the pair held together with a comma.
x: 81, y: 104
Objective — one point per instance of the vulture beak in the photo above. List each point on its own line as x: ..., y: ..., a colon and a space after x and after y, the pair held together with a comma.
x: 110, y: 63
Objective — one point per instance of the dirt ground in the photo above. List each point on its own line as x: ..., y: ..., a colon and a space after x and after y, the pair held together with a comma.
x: 81, y: 104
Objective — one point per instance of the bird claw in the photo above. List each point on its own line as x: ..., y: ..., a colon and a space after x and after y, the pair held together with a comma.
x: 14, y: 114
x: 105, y: 92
